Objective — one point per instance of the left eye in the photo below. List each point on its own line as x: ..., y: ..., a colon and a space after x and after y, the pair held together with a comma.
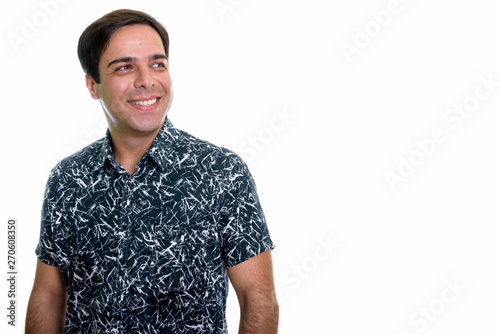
x: 158, y: 65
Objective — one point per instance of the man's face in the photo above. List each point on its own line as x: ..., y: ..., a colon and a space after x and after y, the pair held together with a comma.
x: 135, y: 90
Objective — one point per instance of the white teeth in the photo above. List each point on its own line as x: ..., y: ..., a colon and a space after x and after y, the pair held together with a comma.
x: 145, y: 103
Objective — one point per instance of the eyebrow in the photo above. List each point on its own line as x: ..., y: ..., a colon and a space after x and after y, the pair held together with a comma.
x: 133, y: 59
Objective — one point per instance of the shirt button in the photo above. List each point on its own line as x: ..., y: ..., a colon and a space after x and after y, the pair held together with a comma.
x: 224, y: 211
x: 124, y: 227
x: 120, y: 272
x: 118, y: 317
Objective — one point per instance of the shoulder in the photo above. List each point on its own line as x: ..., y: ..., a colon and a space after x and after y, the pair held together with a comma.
x: 206, y: 153
x: 78, y: 164
x: 207, y: 161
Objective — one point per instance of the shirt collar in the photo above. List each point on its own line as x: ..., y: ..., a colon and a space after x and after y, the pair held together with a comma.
x: 163, y: 144
x: 159, y: 151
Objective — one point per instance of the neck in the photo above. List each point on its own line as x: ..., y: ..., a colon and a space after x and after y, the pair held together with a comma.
x: 129, y: 149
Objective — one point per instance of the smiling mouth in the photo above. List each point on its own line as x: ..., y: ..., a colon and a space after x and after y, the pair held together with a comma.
x: 144, y: 103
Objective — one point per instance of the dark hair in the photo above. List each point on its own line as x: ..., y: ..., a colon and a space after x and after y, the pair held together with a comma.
x: 95, y: 39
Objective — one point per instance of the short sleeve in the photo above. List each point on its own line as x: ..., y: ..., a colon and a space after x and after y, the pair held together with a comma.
x: 242, y: 225
x: 46, y: 248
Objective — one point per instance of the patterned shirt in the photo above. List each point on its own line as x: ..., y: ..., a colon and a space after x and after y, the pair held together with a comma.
x: 148, y: 252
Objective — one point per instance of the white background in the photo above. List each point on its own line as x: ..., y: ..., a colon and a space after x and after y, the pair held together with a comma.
x: 321, y: 172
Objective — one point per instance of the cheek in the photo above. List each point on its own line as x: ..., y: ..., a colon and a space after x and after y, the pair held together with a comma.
x: 113, y: 96
x: 117, y: 91
x: 165, y: 82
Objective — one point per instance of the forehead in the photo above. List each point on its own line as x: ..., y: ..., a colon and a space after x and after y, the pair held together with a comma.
x: 134, y: 40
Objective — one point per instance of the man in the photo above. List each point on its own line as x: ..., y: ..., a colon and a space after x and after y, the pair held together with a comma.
x: 141, y: 229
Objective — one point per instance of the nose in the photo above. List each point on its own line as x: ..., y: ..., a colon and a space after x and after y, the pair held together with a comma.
x: 143, y: 78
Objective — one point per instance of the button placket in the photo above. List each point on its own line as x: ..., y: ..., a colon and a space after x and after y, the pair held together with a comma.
x: 122, y: 233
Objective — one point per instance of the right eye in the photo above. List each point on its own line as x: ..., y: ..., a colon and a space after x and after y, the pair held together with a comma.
x: 123, y: 68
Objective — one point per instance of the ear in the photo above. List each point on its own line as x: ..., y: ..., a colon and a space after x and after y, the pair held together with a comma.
x: 91, y: 86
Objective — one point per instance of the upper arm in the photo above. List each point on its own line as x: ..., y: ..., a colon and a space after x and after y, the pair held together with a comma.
x: 253, y: 279
x: 48, y: 279
x: 47, y: 304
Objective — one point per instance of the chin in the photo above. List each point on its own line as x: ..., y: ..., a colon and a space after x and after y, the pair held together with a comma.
x: 147, y: 127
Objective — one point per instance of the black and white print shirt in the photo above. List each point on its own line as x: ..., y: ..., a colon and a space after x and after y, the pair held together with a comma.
x: 148, y: 252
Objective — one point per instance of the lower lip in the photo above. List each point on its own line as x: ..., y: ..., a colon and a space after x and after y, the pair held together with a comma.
x: 146, y: 108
